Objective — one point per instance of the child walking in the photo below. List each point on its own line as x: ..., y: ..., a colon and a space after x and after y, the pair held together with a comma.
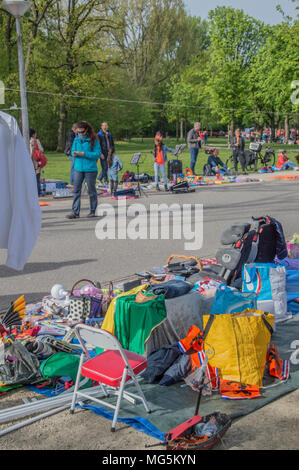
x: 114, y: 166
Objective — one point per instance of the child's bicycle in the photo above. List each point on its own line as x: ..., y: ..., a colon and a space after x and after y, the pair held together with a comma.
x: 254, y: 157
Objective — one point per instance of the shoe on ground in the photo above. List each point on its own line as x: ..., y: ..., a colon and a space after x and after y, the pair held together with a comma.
x: 166, y: 188
x: 157, y: 187
x: 72, y: 216
x: 90, y: 215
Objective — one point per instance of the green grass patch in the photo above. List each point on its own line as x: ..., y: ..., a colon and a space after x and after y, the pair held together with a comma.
x: 59, y: 165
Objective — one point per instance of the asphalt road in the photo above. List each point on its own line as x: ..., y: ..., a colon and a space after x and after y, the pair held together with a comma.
x: 67, y: 251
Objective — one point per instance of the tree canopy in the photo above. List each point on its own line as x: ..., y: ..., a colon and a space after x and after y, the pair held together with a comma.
x: 147, y: 65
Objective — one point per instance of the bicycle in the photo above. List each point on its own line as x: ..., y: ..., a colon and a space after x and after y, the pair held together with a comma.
x: 254, y: 156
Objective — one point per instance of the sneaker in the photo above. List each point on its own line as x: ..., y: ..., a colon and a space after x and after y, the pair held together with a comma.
x: 157, y: 187
x: 72, y: 216
x: 166, y: 188
x: 90, y: 215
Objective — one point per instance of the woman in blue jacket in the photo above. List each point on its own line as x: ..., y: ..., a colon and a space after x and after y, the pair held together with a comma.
x: 86, y: 150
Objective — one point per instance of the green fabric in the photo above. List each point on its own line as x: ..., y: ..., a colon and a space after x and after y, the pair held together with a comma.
x: 134, y: 321
x: 59, y: 365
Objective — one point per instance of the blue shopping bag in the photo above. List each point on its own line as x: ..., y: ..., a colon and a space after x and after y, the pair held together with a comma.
x: 230, y: 300
x: 256, y: 279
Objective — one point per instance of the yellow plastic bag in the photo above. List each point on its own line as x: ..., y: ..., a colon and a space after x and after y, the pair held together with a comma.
x: 237, y: 344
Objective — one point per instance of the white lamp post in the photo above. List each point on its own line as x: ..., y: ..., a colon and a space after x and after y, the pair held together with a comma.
x: 18, y: 8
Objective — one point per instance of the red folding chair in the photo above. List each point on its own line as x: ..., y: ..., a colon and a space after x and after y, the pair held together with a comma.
x: 112, y: 369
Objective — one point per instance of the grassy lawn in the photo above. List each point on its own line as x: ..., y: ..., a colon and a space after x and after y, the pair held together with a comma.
x: 58, y: 166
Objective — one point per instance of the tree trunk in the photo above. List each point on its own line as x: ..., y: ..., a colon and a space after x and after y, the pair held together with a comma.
x: 182, y: 129
x: 177, y: 129
x: 62, y: 127
x: 232, y: 127
x: 286, y: 129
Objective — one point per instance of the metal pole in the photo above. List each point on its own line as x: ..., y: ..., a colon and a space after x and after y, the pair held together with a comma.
x: 25, y: 121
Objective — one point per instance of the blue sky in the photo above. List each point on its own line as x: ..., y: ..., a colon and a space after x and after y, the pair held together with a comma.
x: 264, y: 10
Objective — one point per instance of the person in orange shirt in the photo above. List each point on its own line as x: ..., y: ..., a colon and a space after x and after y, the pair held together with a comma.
x: 160, y: 159
x: 284, y: 163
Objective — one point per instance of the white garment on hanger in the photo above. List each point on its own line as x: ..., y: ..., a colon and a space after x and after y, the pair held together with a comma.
x: 20, y: 213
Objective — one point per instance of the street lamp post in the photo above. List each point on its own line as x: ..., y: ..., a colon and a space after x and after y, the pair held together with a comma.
x: 18, y: 8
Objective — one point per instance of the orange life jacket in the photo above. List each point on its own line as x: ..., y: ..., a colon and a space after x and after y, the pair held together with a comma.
x: 277, y: 367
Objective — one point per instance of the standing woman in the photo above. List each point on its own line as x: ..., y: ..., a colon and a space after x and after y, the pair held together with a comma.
x: 86, y: 150
x: 160, y: 159
x: 114, y: 166
x: 35, y: 143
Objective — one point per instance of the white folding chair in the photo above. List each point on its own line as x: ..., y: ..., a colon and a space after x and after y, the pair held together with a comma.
x: 112, y: 369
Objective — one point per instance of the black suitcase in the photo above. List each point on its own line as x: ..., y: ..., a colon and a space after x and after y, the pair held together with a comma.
x: 175, y: 167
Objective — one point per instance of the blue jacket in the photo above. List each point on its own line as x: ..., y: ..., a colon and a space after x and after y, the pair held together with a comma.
x: 117, y: 165
x: 87, y: 163
x: 215, y: 161
x: 165, y: 149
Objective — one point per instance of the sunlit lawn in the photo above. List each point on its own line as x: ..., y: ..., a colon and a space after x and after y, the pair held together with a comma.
x: 58, y: 166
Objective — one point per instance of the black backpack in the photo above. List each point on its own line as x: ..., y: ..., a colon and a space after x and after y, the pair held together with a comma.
x: 244, y: 242
x: 207, y: 170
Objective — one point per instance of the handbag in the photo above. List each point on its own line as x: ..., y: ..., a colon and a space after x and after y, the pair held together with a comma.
x: 80, y: 306
x: 39, y: 156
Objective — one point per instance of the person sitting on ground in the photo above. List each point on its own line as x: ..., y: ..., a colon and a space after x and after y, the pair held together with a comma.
x: 114, y: 166
x: 87, y: 150
x: 160, y: 159
x: 217, y: 166
x: 284, y: 163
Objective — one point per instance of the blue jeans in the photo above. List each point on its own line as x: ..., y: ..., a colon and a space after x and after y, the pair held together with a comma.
x: 222, y: 170
x: 104, y: 172
x: 90, y: 178
x: 194, y: 153
x: 163, y: 173
x: 72, y: 159
x: 288, y: 165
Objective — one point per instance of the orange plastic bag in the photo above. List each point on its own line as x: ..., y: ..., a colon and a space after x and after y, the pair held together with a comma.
x: 238, y: 391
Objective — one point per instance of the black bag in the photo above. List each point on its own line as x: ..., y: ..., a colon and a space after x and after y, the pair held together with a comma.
x: 207, y: 170
x: 175, y: 167
x: 244, y: 242
x: 182, y: 187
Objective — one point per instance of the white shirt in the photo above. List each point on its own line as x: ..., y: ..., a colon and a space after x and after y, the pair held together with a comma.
x: 20, y: 213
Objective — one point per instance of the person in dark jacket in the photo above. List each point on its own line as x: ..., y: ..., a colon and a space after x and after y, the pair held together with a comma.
x: 194, y: 144
x: 238, y: 146
x: 107, y: 143
x: 217, y: 165
x: 68, y: 148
